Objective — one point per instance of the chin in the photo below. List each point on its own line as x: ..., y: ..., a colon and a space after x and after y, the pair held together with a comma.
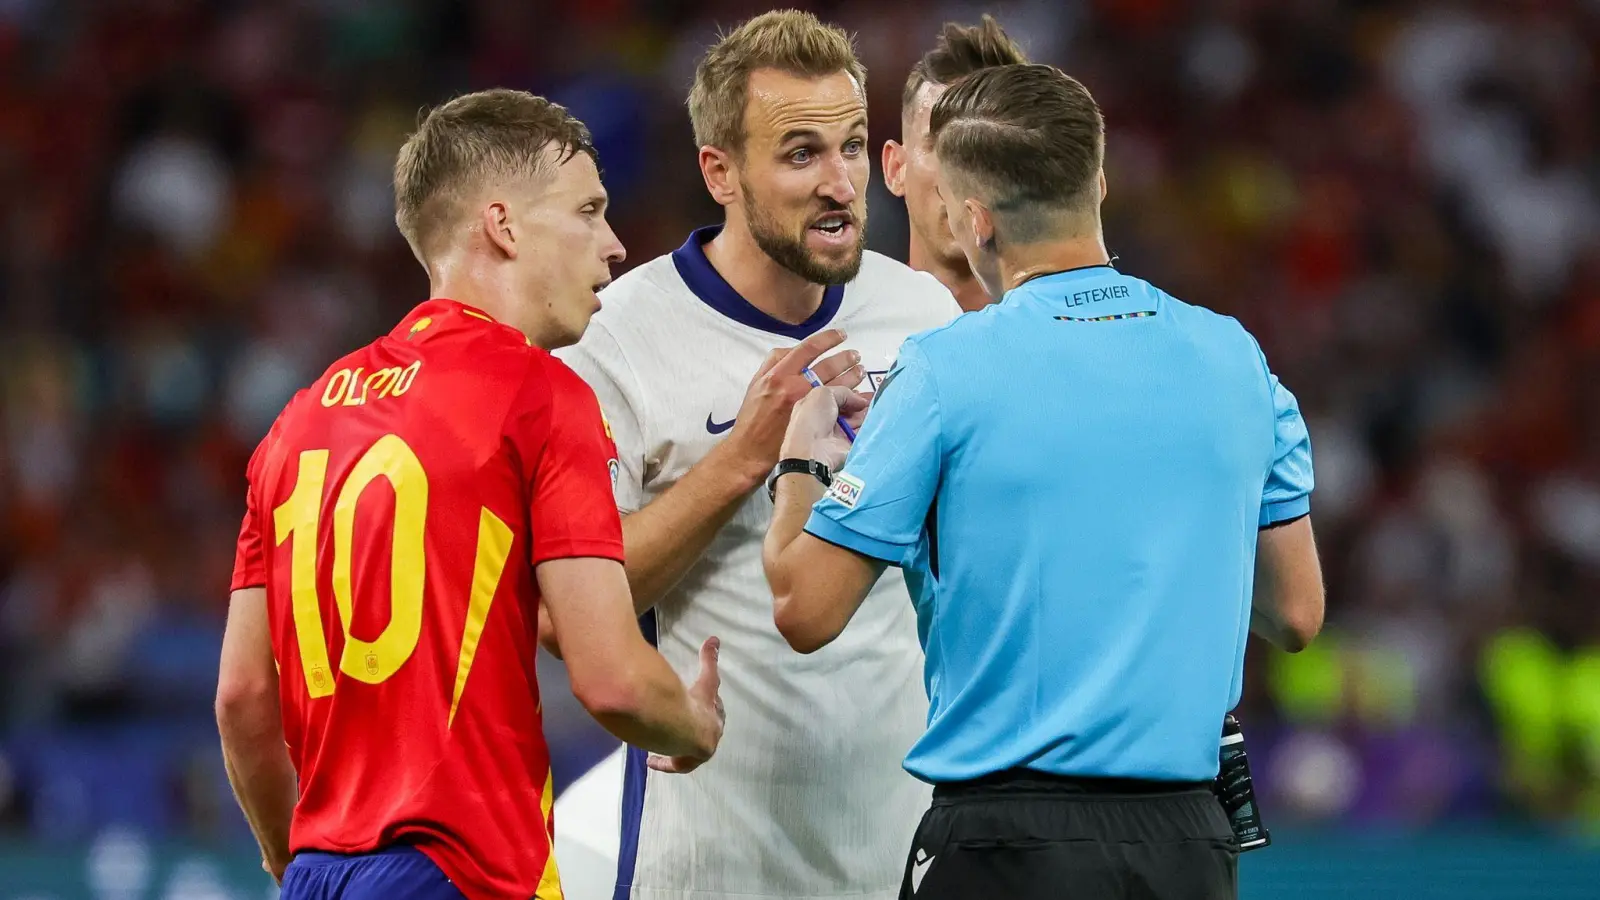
x: 838, y: 271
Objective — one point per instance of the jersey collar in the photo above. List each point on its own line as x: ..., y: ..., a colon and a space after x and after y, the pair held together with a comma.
x: 707, y: 283
x: 429, y: 312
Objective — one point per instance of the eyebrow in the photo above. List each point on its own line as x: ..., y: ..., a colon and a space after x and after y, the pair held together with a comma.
x: 795, y: 133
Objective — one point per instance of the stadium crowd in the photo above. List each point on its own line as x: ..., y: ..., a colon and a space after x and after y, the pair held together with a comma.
x: 1399, y: 198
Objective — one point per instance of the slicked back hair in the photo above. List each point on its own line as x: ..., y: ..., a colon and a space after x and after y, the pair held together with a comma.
x: 1029, y: 138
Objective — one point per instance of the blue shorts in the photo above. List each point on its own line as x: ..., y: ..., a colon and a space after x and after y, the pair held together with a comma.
x: 394, y: 873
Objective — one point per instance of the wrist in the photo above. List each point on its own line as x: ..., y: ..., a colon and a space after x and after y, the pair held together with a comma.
x: 746, y: 471
x: 807, y: 467
x: 706, y: 730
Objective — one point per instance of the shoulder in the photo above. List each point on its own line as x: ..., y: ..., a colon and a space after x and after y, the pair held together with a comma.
x: 642, y: 286
x: 879, y: 272
x: 904, y: 298
x: 1205, y: 323
x: 549, y: 378
x: 632, y: 311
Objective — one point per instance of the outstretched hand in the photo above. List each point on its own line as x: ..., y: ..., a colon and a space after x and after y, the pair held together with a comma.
x: 706, y: 701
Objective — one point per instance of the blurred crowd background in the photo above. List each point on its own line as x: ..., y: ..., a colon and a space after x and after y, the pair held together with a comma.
x: 1398, y: 197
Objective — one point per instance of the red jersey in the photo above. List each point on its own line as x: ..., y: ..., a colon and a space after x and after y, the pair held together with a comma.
x: 395, y: 513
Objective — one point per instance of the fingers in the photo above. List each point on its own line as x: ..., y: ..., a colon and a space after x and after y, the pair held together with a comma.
x: 709, y: 651
x: 848, y: 401
x: 771, y: 360
x: 834, y: 369
x: 672, y: 765
x: 666, y: 764
x: 806, y: 352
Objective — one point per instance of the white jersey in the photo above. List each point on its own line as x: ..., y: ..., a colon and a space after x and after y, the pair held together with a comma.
x: 806, y: 797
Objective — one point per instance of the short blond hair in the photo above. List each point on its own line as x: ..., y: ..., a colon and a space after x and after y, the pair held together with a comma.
x: 788, y: 40
x: 472, y: 140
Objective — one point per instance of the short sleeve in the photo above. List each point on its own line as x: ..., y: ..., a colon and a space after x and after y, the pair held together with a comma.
x: 1288, y: 489
x: 599, y: 361
x: 571, y: 512
x: 249, y: 554
x: 878, y: 504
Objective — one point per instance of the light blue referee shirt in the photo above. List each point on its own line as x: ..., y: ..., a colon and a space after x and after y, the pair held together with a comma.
x: 1073, y: 480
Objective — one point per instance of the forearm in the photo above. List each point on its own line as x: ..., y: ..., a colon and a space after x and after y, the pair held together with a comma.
x: 670, y: 534
x: 816, y: 586
x: 262, y: 776
x: 791, y: 507
x: 653, y: 711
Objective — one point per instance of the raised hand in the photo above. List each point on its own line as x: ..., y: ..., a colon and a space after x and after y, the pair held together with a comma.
x: 779, y: 385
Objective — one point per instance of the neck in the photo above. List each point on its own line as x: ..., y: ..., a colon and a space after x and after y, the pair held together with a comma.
x: 956, y: 276
x: 1021, y: 262
x: 766, y: 285
x: 477, y: 284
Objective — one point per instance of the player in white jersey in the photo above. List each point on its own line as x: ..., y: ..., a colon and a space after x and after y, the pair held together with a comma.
x: 806, y: 797
x: 909, y: 167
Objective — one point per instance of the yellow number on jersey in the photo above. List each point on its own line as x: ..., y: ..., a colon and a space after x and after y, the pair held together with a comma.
x: 300, y: 518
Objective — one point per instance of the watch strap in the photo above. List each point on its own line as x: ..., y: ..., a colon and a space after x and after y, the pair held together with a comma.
x: 811, y: 467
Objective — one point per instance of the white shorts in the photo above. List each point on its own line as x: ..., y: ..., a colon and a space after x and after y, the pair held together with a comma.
x: 588, y: 825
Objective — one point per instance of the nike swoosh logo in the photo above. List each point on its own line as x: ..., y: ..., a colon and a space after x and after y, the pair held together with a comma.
x: 719, y: 427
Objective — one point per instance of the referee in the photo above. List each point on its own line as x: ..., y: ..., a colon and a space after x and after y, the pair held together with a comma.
x: 1081, y: 483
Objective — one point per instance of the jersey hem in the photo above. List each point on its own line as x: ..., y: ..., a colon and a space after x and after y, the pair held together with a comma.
x: 825, y: 529
x: 578, y: 549
x: 1283, y: 511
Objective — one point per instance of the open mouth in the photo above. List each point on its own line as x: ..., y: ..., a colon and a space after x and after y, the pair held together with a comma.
x: 834, y: 225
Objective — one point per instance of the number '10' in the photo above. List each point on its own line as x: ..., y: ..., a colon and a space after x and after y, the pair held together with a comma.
x: 299, y: 518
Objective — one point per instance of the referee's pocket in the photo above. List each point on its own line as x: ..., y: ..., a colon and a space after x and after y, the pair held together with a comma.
x: 988, y: 869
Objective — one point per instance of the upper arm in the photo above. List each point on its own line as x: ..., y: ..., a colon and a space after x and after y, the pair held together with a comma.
x: 592, y: 610
x: 570, y: 507
x: 598, y: 359
x: 878, y: 504
x: 247, y: 671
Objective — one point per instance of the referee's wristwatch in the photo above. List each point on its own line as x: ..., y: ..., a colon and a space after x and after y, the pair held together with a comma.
x: 811, y: 467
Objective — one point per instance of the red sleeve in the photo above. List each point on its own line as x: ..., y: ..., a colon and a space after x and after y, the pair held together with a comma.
x: 249, y: 559
x: 572, y: 510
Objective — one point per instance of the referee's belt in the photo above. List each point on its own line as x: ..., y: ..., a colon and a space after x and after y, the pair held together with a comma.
x: 1034, y: 781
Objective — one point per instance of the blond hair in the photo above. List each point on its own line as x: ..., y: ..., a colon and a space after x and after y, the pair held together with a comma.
x: 475, y: 139
x: 788, y: 40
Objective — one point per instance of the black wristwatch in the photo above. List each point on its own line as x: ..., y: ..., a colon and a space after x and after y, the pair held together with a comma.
x: 809, y: 466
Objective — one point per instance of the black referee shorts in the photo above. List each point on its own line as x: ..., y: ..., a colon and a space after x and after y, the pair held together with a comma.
x: 1029, y: 836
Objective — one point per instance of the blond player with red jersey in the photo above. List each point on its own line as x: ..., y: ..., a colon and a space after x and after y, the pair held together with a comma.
x: 413, y: 515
